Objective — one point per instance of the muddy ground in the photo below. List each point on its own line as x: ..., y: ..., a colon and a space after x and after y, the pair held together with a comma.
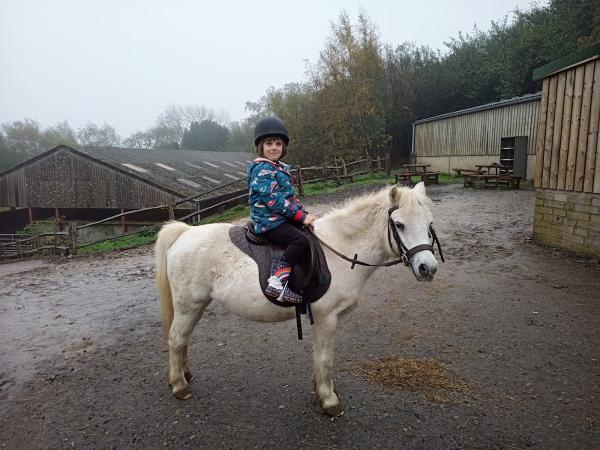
x: 83, y: 362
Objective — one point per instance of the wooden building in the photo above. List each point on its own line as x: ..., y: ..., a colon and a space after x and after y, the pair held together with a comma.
x: 567, y: 170
x: 94, y: 183
x: 502, y: 132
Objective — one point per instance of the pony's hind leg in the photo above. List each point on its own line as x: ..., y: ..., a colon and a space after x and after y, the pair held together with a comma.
x: 179, y: 335
x: 323, y: 364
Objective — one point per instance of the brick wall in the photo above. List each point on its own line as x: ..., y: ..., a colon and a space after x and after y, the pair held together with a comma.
x: 570, y: 220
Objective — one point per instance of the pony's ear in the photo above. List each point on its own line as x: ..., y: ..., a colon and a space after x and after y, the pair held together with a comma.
x: 420, y: 188
x: 395, y: 195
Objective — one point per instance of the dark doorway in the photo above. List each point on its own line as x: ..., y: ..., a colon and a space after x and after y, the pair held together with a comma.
x: 513, y: 154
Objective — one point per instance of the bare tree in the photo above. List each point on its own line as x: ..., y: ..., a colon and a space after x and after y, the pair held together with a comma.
x: 93, y: 136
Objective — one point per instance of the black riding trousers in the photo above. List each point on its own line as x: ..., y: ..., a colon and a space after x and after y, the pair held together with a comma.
x: 291, y: 237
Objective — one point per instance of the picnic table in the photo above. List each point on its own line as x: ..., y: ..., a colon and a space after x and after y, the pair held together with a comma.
x: 460, y: 172
x: 491, y: 175
x: 408, y: 171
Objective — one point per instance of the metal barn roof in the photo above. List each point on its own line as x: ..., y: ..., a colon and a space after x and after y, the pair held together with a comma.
x: 494, y: 105
x: 183, y: 172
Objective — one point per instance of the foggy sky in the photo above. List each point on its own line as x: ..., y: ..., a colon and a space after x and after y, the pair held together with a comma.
x: 122, y: 62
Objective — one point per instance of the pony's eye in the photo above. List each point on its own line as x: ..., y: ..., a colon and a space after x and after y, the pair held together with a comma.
x: 400, y: 226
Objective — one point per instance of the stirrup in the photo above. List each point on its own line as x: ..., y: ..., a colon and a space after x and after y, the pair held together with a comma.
x: 289, y: 296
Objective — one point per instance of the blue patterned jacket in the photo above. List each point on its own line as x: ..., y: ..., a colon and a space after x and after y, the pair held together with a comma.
x: 272, y: 198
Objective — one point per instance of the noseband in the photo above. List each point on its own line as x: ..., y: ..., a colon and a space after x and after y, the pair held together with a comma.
x: 404, y: 253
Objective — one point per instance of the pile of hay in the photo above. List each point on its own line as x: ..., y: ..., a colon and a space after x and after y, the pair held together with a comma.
x: 427, y: 376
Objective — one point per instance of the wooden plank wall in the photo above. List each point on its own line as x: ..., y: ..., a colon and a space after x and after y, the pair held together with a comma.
x: 477, y: 133
x: 568, y: 144
x: 65, y: 180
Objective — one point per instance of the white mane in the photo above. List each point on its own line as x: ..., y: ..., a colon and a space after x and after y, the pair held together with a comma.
x: 403, y: 197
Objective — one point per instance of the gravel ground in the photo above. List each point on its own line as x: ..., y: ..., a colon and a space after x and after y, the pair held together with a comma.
x: 83, y: 362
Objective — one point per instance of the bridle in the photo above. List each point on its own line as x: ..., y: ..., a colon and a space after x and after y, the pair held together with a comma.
x: 404, y: 254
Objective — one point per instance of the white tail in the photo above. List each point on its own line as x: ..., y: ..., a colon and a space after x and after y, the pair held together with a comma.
x: 166, y: 237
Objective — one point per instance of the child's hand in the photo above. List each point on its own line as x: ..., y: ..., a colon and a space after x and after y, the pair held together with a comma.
x: 309, y: 220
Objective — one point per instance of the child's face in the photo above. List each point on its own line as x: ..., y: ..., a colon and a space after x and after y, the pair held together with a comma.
x: 272, y: 149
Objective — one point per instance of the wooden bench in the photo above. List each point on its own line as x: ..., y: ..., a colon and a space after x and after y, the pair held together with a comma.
x: 486, y: 180
x: 427, y: 177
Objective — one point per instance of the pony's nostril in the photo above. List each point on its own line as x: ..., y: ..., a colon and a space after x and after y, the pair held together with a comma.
x: 423, y: 270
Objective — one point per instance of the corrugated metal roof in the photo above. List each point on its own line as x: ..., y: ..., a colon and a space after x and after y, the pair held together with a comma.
x: 498, y: 104
x: 166, y: 169
x: 201, y: 170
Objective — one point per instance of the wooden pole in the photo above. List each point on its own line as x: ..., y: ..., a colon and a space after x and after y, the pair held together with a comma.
x: 387, y: 164
x: 73, y: 238
x: 344, y: 168
x: 171, y: 210
x: 300, y: 184
x: 123, y: 225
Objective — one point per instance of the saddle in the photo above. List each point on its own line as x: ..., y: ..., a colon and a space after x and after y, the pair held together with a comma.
x: 310, y: 277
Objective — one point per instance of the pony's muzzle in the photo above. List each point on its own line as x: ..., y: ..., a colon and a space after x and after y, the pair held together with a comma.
x: 424, y: 266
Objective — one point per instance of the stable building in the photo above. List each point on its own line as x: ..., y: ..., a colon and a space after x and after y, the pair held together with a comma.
x: 88, y: 184
x: 567, y: 170
x: 502, y: 132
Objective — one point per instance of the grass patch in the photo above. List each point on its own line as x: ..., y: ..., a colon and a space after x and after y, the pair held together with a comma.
x: 237, y: 212
x: 120, y: 243
x: 448, y: 178
x: 39, y: 226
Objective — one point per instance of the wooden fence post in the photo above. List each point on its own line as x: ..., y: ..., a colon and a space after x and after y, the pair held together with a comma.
x: 123, y: 224
x: 299, y: 180
x: 171, y: 210
x: 387, y: 164
x: 344, y: 168
x: 73, y: 238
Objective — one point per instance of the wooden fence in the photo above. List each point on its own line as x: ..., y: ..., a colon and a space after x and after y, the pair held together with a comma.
x: 68, y: 242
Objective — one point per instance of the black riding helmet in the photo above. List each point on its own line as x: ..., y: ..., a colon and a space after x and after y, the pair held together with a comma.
x: 270, y: 127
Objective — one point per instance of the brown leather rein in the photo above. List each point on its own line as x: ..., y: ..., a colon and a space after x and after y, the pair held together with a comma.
x: 404, y: 253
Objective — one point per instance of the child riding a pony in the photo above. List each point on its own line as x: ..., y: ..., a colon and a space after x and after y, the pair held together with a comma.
x: 274, y: 208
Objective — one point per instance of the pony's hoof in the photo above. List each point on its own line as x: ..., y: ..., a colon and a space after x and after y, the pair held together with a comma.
x: 334, y: 411
x: 183, y: 394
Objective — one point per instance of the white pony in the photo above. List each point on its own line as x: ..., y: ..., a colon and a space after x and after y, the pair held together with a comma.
x: 198, y: 265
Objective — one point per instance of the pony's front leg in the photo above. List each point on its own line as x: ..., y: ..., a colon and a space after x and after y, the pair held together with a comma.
x: 323, y: 363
